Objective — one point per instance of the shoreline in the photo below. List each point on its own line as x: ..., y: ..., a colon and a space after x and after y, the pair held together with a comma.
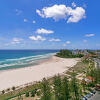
x: 34, y: 61
x: 48, y: 68
x: 38, y: 62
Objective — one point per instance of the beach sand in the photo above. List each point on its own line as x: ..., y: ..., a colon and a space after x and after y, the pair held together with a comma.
x: 49, y: 68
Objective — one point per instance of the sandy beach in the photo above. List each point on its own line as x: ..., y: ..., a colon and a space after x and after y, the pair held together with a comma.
x: 49, y: 68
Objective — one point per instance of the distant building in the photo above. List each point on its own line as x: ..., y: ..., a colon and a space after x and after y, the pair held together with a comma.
x: 76, y: 52
x: 98, y: 53
x: 85, y: 52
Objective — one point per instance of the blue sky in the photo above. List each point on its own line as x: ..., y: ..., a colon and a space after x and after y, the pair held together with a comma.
x: 49, y: 24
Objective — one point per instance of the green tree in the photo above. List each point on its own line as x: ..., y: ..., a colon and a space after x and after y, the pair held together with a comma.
x: 68, y: 54
x: 46, y: 90
x: 32, y: 94
x: 64, y: 53
x: 65, y: 89
x: 97, y: 76
x: 27, y: 94
x: 74, y: 87
x: 58, y: 88
x: 20, y: 97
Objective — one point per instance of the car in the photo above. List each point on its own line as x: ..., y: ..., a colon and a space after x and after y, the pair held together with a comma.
x: 93, y: 91
x: 84, y: 98
x: 89, y: 95
x: 97, y: 88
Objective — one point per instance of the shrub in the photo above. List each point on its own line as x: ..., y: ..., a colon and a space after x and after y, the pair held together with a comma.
x: 38, y: 93
x: 3, y: 91
x: 8, y: 89
x: 27, y: 94
x: 20, y: 96
x: 32, y: 93
x: 13, y: 88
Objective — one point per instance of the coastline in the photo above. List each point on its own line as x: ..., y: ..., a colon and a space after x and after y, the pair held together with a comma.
x: 37, y: 62
x: 48, y: 68
x: 33, y: 61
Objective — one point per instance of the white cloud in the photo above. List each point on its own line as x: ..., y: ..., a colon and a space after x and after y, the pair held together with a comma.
x: 68, y: 42
x: 64, y: 45
x: 16, y: 40
x: 58, y: 12
x: 33, y: 21
x: 44, y: 31
x: 76, y: 15
x: 25, y: 20
x: 37, y: 38
x: 55, y: 40
x: 85, y: 41
x: 73, y: 4
x: 90, y: 35
x: 18, y: 12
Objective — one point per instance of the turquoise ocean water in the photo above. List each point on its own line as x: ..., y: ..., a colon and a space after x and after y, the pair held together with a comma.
x: 10, y: 59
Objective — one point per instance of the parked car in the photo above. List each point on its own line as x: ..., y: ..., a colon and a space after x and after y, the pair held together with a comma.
x: 89, y: 95
x: 98, y: 88
x: 93, y: 91
x: 84, y: 98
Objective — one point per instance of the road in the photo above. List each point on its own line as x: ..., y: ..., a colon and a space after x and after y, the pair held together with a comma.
x: 95, y: 97
x: 97, y: 61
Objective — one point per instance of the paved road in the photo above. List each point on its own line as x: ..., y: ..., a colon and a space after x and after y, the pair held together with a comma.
x: 97, y: 61
x: 95, y: 97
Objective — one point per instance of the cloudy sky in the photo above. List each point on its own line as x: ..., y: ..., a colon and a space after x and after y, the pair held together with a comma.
x: 49, y: 24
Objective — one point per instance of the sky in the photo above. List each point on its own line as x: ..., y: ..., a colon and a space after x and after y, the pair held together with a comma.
x: 49, y: 24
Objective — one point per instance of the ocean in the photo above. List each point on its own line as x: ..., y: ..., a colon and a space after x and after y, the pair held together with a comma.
x: 10, y: 59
